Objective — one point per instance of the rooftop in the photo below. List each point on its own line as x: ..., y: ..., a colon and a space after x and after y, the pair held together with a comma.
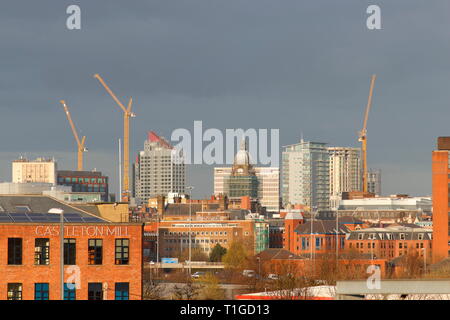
x: 34, y: 208
x: 321, y: 227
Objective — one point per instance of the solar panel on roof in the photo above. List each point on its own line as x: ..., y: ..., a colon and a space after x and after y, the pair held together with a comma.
x: 39, y: 219
x: 23, y: 209
x: 70, y: 214
x: 17, y: 214
x: 74, y: 219
x: 21, y: 219
x: 92, y: 219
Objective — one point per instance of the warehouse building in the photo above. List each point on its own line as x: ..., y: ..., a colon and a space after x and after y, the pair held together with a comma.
x: 102, y: 260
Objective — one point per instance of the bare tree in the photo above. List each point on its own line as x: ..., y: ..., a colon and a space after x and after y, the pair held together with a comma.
x: 153, y: 291
x: 210, y: 288
x: 292, y: 281
x: 187, y: 291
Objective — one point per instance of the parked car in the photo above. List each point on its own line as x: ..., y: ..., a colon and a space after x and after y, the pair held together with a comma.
x: 198, y: 274
x: 249, y: 273
x: 272, y: 276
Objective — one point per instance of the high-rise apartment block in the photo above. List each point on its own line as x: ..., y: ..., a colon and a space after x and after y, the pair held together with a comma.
x: 440, y: 168
x: 306, y: 175
x: 345, y: 172
x: 374, y: 181
x: 39, y: 170
x: 155, y: 171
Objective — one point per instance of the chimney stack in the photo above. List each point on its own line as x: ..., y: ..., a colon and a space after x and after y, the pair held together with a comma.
x: 223, y: 202
x: 177, y: 199
x: 161, y: 204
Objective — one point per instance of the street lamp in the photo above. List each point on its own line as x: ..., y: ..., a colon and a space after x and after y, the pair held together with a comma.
x: 190, y: 222
x: 259, y: 267
x: 337, y: 235
x: 425, y: 259
x: 313, y: 212
x: 61, y: 244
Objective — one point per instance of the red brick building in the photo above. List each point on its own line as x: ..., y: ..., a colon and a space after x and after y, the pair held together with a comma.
x: 303, y: 237
x: 440, y: 185
x: 103, y: 260
x: 391, y: 242
x: 281, y: 262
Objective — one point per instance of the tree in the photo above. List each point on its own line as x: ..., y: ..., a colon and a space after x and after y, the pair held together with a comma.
x: 217, y: 253
x: 236, y: 256
x: 152, y: 291
x: 211, y: 289
x: 196, y: 255
x: 186, y: 291
x: 410, y: 266
x: 292, y: 282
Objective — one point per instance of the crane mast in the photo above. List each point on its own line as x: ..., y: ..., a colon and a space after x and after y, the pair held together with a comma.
x: 80, y: 143
x: 363, y: 136
x: 127, y: 114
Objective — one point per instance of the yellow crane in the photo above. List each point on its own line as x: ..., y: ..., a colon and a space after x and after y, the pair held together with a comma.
x: 363, y: 135
x: 80, y: 143
x: 127, y: 114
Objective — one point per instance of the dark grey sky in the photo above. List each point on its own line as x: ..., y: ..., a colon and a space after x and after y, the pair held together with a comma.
x: 301, y: 66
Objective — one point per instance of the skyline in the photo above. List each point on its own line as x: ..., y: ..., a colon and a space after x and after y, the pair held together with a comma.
x: 301, y: 67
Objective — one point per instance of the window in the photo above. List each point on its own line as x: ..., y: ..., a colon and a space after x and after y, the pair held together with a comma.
x: 70, y: 251
x: 41, y: 291
x: 14, y: 291
x: 122, y: 291
x: 70, y: 291
x: 95, y: 291
x: 360, y: 236
x: 95, y: 251
x: 41, y: 251
x: 14, y: 250
x: 122, y: 251
x: 402, y: 236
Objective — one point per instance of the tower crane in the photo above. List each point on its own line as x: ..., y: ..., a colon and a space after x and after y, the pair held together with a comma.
x: 80, y: 143
x: 363, y: 135
x: 127, y: 114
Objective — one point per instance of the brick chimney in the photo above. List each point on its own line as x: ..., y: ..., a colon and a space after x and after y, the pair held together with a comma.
x: 204, y: 206
x: 177, y: 199
x: 161, y: 205
x: 223, y: 202
x: 246, y: 203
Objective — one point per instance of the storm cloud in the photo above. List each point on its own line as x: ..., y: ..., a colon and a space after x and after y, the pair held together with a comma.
x: 301, y: 66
